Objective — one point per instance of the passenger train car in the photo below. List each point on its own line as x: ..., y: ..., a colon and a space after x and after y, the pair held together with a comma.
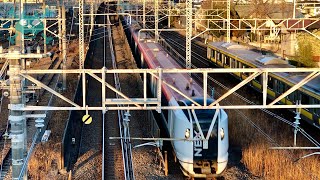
x: 231, y: 55
x: 197, y: 158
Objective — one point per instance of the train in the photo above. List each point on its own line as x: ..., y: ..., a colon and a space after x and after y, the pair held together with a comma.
x: 233, y: 55
x: 197, y: 158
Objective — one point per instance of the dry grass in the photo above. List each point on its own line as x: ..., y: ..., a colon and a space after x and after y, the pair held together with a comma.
x: 264, y: 162
x: 45, y: 161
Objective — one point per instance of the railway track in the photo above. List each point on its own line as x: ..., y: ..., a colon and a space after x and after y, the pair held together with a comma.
x: 116, y: 155
x: 122, y: 115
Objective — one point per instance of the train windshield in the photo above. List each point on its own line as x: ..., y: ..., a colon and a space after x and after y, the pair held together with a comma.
x: 204, y: 116
x: 200, y: 112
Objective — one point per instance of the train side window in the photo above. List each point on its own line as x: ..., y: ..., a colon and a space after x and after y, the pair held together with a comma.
x: 235, y: 64
x: 213, y: 52
x: 232, y: 62
x: 270, y: 83
x: 246, y: 73
x: 315, y: 110
x: 279, y: 86
x: 304, y: 98
x: 292, y: 96
x: 258, y: 78
x: 220, y: 57
x: 227, y: 61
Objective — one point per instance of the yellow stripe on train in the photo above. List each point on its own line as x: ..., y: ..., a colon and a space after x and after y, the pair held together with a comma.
x: 306, y: 114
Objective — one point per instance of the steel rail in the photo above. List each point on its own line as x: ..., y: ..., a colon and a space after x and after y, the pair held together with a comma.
x: 124, y: 132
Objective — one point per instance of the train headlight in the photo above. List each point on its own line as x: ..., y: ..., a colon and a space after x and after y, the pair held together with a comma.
x: 187, y: 133
x: 222, y: 133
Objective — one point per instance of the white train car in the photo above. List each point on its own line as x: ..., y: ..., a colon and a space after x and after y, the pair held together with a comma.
x: 197, y: 158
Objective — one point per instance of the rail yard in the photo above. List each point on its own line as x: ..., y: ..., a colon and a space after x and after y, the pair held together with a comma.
x: 159, y: 89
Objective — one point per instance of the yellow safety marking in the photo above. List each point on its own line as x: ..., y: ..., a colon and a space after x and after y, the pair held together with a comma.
x: 87, y: 119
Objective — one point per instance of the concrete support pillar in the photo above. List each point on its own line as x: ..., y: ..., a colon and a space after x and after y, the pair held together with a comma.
x: 44, y: 26
x: 45, y: 36
x: 17, y: 118
x: 64, y: 47
x: 60, y: 30
x: 144, y: 14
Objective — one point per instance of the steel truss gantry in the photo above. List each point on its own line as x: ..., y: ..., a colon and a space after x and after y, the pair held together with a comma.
x: 144, y: 103
x: 218, y: 20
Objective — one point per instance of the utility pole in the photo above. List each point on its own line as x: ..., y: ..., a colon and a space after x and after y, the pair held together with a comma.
x: 64, y: 47
x: 91, y: 18
x: 60, y: 28
x: 294, y: 9
x: 16, y: 118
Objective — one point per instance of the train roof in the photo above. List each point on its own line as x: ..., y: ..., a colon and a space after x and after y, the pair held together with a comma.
x: 255, y: 58
x: 155, y: 56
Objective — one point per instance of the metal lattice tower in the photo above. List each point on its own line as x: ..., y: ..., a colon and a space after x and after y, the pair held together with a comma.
x: 228, y: 21
x: 156, y: 20
x: 91, y: 17
x: 81, y: 36
x: 144, y: 14
x: 188, y: 32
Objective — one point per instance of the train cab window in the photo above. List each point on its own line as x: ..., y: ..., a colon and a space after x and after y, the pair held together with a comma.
x: 202, y: 114
x: 270, y: 83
